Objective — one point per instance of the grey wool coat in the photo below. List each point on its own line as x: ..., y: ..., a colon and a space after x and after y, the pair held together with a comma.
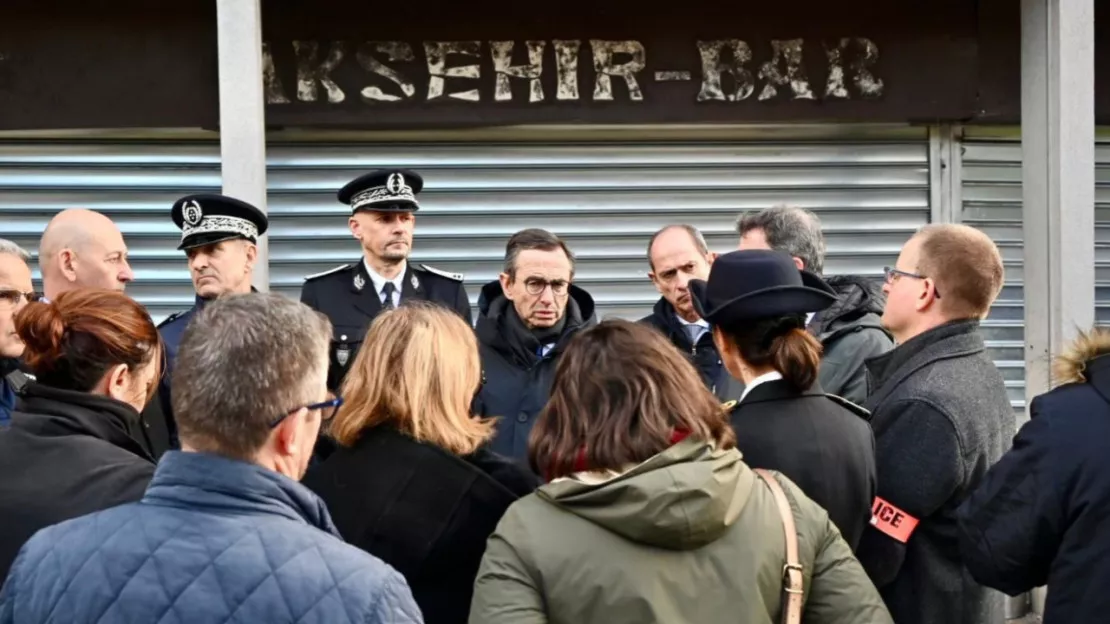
x: 941, y: 418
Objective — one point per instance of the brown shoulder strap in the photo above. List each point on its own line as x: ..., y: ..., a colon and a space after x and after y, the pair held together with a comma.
x: 792, y: 581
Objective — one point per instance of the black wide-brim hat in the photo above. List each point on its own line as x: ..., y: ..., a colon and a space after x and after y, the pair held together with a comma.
x: 205, y: 219
x: 384, y: 190
x: 756, y: 284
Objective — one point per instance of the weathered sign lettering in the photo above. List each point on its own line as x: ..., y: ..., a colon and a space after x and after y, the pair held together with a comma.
x: 467, y: 71
x: 393, y: 51
x: 502, y: 52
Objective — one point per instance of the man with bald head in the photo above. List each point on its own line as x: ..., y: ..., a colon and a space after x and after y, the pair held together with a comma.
x: 82, y: 249
x: 676, y: 254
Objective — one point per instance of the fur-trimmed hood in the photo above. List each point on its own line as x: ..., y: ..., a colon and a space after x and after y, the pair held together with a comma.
x: 1071, y: 365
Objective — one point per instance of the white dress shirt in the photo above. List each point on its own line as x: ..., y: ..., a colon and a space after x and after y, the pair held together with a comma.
x: 764, y: 378
x: 379, y: 283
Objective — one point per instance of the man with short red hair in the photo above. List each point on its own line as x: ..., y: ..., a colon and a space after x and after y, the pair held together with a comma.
x: 941, y: 418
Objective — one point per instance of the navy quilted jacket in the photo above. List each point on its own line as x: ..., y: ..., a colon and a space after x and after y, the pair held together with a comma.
x: 213, y: 540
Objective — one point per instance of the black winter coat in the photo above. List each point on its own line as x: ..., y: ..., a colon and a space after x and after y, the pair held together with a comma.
x: 702, y: 355
x: 518, y: 380
x: 1040, y: 516
x: 941, y: 418
x: 420, y: 509
x: 65, y: 455
x: 822, y: 443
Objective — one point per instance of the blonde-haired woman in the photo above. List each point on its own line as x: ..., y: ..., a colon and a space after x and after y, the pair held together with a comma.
x: 410, y: 482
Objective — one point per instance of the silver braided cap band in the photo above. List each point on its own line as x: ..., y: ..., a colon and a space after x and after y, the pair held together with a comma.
x: 382, y: 195
x: 221, y: 225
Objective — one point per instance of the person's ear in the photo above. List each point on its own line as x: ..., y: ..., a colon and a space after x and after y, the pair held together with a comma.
x: 506, y: 282
x: 67, y: 262
x: 119, y: 382
x: 798, y: 263
x: 290, y: 434
x: 927, y: 296
x: 356, y: 227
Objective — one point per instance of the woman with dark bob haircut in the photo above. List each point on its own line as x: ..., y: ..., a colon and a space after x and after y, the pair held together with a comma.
x: 651, y: 515
x: 757, y: 302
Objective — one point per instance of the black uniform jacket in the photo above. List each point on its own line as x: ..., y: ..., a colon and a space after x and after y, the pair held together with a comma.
x: 347, y: 297
x: 422, y: 510
x: 822, y: 443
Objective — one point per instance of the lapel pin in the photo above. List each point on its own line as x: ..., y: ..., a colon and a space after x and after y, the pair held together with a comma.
x: 359, y: 281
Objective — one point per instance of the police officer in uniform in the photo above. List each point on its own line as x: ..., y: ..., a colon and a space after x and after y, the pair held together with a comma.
x: 219, y: 236
x: 383, y: 205
x: 756, y: 302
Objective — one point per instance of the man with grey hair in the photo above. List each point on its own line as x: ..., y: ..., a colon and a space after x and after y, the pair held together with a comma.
x: 526, y: 318
x: 224, y: 531
x: 676, y: 254
x: 850, y: 330
x: 219, y: 235
x: 15, y: 292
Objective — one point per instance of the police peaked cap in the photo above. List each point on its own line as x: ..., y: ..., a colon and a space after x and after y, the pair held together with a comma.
x: 208, y: 218
x: 385, y: 190
x: 755, y: 284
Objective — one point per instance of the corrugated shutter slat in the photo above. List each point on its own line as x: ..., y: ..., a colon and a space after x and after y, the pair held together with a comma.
x: 605, y: 198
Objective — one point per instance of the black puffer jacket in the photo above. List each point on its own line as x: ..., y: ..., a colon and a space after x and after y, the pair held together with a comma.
x: 518, y: 380
x: 702, y: 355
x: 65, y: 455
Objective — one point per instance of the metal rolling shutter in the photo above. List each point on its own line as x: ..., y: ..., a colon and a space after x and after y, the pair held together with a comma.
x: 992, y: 202
x: 605, y: 194
x: 133, y: 182
x: 604, y: 190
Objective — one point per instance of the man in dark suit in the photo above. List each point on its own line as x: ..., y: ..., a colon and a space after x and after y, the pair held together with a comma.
x: 384, y: 205
x: 676, y: 255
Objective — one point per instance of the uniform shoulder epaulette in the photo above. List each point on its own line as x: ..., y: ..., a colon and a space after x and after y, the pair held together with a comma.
x: 858, y: 410
x: 458, y: 277
x: 328, y: 272
x: 171, y: 318
x: 728, y: 405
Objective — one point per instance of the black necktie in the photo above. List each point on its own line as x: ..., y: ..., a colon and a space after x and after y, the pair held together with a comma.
x: 387, y: 291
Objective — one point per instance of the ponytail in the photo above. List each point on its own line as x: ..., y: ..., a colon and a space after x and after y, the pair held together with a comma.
x: 783, y: 344
x: 797, y: 355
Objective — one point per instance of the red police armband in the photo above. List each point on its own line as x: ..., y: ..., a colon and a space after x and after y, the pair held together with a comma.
x: 892, y: 521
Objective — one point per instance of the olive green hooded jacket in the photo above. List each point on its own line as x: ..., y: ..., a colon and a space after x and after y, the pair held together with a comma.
x: 691, y: 535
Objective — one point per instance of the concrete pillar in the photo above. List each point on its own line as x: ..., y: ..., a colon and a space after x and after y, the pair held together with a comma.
x: 1058, y: 176
x: 242, y: 113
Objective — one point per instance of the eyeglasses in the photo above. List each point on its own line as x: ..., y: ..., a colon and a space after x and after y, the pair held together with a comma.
x: 535, y: 286
x: 328, y: 409
x: 12, y: 296
x: 890, y: 273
